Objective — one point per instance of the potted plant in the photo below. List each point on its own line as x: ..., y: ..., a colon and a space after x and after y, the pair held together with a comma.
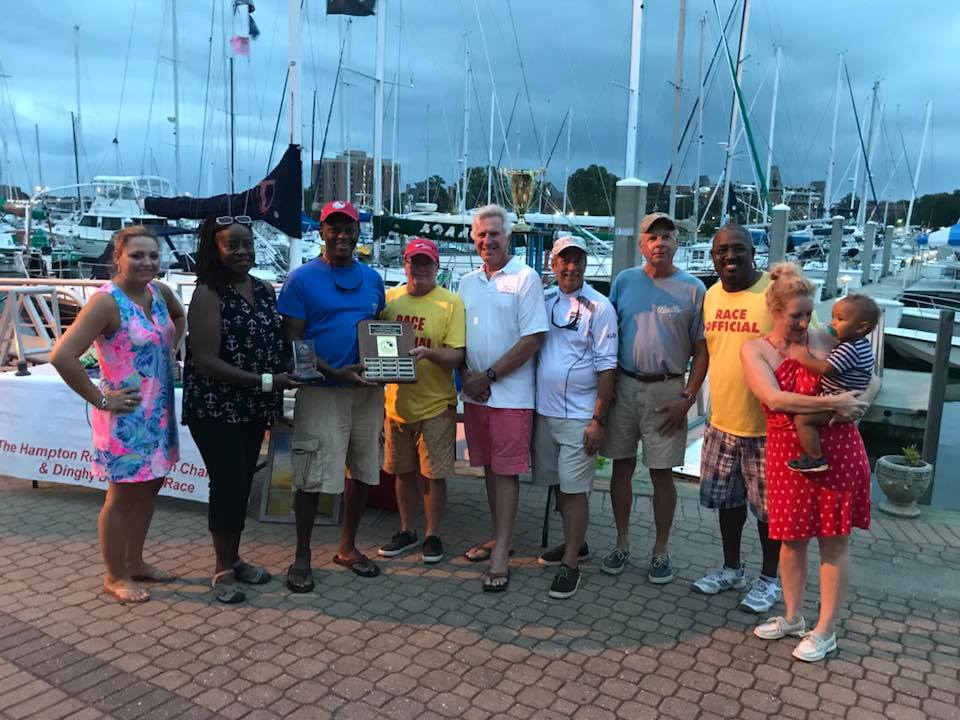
x: 904, y: 479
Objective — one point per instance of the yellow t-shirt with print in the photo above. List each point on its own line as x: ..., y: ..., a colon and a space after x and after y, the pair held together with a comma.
x: 438, y: 320
x: 730, y: 319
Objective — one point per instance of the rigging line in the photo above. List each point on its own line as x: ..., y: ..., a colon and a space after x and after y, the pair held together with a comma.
x: 126, y: 67
x: 16, y: 131
x: 326, y: 129
x: 493, y: 82
x: 866, y: 160
x: 276, y: 127
x: 903, y: 144
x: 526, y: 87
x: 206, y: 95
x: 707, y: 78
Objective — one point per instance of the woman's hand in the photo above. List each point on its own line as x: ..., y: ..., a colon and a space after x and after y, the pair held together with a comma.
x: 123, y: 401
x: 285, y: 381
x: 848, y: 407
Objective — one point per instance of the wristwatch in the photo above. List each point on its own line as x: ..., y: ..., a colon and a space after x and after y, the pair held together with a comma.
x: 491, y: 375
x: 601, y: 420
x: 102, y: 404
x: 686, y: 396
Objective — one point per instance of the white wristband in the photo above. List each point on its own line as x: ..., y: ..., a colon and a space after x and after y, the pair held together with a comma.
x: 266, y: 383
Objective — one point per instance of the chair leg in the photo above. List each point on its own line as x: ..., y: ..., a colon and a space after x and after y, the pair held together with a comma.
x: 544, y: 536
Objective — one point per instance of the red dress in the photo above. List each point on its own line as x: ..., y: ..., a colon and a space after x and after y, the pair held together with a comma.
x: 807, y: 505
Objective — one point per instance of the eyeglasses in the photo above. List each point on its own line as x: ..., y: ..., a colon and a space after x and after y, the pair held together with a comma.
x: 225, y: 220
x: 342, y: 288
x: 573, y: 324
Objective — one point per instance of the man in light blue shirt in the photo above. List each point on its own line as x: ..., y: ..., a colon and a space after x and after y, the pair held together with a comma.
x: 660, y: 318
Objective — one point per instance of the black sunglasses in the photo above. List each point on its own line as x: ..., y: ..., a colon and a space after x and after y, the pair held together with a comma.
x: 341, y: 288
x: 225, y: 220
x: 573, y: 324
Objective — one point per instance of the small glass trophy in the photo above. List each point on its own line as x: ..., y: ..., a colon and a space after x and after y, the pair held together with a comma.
x: 305, y: 362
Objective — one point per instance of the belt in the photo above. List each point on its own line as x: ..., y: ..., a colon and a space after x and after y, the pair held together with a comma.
x: 643, y: 377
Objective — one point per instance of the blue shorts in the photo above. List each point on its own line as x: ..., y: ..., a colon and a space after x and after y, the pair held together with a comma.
x: 732, y: 472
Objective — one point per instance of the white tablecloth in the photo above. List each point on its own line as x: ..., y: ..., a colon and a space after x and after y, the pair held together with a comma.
x: 45, y: 435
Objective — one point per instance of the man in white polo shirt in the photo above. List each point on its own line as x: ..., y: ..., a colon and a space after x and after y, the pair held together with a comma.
x: 576, y: 374
x: 506, y: 322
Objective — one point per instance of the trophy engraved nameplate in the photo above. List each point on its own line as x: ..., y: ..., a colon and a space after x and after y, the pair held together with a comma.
x: 523, y: 184
x: 305, y: 362
x: 385, y: 351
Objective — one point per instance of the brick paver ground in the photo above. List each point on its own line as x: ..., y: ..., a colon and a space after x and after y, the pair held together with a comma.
x: 426, y: 643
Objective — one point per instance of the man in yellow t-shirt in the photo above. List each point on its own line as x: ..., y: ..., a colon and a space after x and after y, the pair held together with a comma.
x: 420, y: 426
x: 732, y: 473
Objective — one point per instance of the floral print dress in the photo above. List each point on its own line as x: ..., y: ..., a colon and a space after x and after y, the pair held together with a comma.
x: 144, y: 444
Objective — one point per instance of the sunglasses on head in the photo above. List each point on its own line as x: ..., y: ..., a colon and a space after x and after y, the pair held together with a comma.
x: 225, y: 220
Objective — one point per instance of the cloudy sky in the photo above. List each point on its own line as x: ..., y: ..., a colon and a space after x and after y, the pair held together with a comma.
x: 573, y: 53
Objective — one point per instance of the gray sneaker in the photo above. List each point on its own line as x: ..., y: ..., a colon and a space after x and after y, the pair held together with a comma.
x: 661, y: 570
x: 615, y: 562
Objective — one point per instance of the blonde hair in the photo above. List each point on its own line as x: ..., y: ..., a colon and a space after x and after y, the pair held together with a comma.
x: 492, y: 210
x: 787, y: 281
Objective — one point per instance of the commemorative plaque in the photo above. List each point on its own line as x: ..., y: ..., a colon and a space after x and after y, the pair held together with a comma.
x: 305, y: 362
x: 385, y: 351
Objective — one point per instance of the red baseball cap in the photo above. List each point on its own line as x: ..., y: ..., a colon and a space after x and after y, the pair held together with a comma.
x: 422, y: 246
x: 339, y: 206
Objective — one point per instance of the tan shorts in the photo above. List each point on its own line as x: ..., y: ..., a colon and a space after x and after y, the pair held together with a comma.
x: 425, y: 445
x: 633, y: 419
x: 558, y: 454
x: 336, y: 433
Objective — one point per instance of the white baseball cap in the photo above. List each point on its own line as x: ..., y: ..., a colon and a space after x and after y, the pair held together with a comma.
x: 568, y: 241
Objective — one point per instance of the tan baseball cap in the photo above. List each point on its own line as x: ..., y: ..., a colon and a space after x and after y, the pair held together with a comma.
x: 650, y: 219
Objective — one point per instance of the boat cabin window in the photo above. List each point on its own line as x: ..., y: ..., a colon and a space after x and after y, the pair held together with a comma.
x: 151, y: 221
x: 111, y: 223
x: 88, y: 221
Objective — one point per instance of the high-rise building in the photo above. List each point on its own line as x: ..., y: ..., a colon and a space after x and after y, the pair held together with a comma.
x: 331, y: 176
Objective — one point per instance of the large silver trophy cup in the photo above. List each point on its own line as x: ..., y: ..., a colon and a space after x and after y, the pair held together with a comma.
x: 523, y: 183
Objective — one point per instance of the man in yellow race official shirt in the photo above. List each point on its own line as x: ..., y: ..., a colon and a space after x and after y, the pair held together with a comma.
x: 420, y: 421
x: 732, y: 460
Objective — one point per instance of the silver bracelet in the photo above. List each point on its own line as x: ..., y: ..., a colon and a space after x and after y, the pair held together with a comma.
x: 266, y: 382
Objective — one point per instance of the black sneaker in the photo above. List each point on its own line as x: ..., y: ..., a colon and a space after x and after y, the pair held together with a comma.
x: 806, y: 464
x: 555, y: 556
x: 566, y: 583
x: 432, y: 550
x: 400, y: 543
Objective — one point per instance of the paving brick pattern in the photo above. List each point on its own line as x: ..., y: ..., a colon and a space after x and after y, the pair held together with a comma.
x: 426, y: 643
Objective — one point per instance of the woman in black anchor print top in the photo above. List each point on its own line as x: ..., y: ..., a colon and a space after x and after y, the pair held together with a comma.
x: 232, y: 385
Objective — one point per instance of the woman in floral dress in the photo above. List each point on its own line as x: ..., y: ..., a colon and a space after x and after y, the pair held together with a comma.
x: 134, y: 323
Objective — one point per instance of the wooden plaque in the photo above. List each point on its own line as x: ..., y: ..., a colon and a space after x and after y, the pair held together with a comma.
x: 385, y: 351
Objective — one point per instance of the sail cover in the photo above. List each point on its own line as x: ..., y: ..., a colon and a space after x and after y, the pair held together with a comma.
x: 277, y: 199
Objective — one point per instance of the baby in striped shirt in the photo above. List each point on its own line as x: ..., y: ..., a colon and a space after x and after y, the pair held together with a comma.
x: 848, y: 367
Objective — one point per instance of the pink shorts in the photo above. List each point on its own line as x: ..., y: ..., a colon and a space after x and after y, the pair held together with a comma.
x: 498, y: 437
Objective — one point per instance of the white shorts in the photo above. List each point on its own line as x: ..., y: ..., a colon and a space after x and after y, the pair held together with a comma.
x: 558, y: 454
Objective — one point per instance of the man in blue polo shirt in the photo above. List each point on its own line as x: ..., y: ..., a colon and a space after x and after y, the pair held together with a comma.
x: 337, y: 422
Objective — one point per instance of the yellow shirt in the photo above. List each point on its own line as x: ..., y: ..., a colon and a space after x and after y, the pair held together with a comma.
x: 730, y: 319
x: 439, y: 321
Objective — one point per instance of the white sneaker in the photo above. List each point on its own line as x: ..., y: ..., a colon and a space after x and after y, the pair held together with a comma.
x: 778, y: 627
x: 723, y: 579
x: 813, y: 647
x: 763, y: 594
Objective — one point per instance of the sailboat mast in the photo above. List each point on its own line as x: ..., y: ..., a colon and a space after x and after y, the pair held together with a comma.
x: 633, y: 99
x: 862, y: 210
x: 734, y: 113
x: 176, y: 100
x: 566, y: 165
x: 232, y: 128
x: 378, y: 115
x: 76, y: 69
x: 293, y: 83
x: 773, y: 125
x: 696, y: 188
x: 493, y: 108
x: 466, y: 124
x: 394, y: 170
x: 76, y: 159
x: 677, y: 100
x: 916, y: 172
x: 36, y: 130
x: 828, y: 186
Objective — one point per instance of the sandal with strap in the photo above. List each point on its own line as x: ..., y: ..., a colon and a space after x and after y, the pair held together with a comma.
x: 299, y: 580
x: 127, y: 592
x: 225, y: 589
x: 496, y: 582
x: 250, y: 574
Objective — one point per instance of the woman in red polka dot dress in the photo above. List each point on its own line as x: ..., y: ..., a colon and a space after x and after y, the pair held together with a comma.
x: 802, y: 506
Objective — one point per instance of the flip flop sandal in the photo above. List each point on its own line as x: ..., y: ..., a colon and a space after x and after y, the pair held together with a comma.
x: 489, y: 578
x: 127, y: 594
x: 304, y: 575
x: 250, y: 574
x: 156, y: 575
x: 227, y: 592
x: 361, y: 566
x: 481, y: 553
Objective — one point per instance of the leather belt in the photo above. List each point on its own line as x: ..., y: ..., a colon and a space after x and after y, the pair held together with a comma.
x: 642, y: 377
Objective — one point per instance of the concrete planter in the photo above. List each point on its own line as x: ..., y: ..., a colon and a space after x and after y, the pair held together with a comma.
x: 903, y: 484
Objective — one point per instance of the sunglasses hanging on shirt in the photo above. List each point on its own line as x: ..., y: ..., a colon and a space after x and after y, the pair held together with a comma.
x: 573, y: 324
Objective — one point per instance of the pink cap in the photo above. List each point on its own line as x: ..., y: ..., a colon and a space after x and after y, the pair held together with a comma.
x: 341, y: 207
x: 422, y: 246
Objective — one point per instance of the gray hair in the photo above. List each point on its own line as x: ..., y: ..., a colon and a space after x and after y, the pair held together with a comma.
x: 492, y: 210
